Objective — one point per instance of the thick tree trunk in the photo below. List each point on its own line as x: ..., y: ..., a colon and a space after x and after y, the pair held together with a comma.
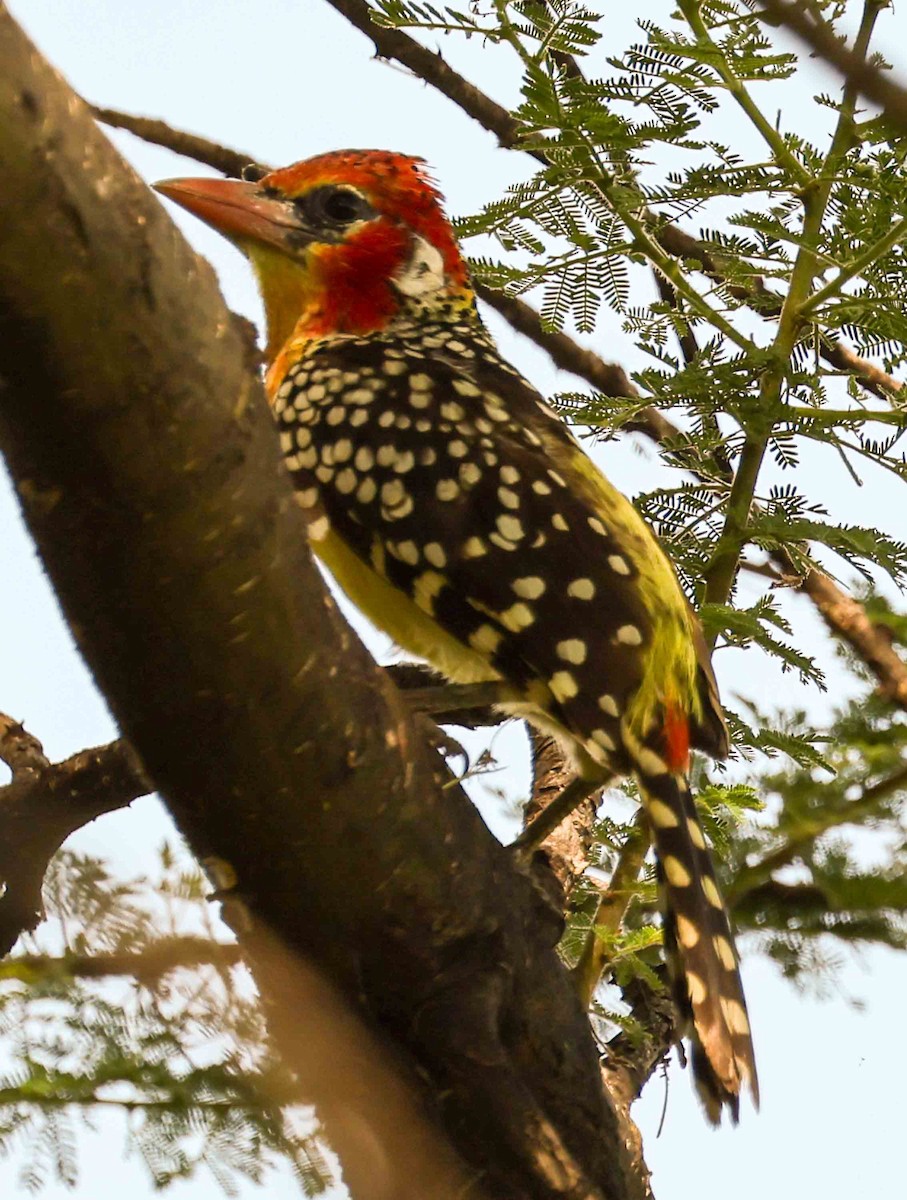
x: 133, y: 425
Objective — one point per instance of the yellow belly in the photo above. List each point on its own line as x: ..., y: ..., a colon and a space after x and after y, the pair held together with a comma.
x: 416, y: 632
x: 400, y: 617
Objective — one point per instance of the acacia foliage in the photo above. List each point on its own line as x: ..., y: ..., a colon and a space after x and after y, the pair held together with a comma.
x: 798, y: 250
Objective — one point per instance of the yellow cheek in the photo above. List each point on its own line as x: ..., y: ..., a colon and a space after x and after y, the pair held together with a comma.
x: 287, y: 289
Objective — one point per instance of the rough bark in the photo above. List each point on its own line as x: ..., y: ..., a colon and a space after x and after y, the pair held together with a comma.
x: 147, y: 468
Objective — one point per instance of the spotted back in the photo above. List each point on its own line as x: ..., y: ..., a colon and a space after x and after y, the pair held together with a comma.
x: 447, y: 489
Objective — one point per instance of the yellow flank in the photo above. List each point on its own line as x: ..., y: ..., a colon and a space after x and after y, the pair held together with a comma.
x: 395, y: 614
x: 672, y: 667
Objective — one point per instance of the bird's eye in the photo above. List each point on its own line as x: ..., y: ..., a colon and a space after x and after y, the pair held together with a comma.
x: 335, y: 206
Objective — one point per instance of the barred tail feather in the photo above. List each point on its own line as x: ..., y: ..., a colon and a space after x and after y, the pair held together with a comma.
x: 699, y: 947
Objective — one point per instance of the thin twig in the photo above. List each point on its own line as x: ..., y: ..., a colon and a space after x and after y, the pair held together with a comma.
x: 611, y: 910
x: 150, y: 963
x: 159, y: 133
x: 863, y: 75
x: 20, y: 750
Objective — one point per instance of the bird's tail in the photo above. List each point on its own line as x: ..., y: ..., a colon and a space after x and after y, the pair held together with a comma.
x: 699, y: 947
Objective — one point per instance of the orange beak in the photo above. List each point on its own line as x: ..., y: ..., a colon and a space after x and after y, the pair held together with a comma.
x: 240, y: 211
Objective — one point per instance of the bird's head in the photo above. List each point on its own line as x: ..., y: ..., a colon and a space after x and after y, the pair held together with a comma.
x: 342, y: 243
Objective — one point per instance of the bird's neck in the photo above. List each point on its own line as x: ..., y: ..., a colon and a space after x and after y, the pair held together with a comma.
x: 319, y: 323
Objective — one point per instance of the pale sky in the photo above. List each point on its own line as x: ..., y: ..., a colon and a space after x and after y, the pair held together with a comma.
x: 285, y: 79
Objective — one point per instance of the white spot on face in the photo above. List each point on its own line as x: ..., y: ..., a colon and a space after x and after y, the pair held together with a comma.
x: 559, y: 523
x: 346, y: 481
x: 563, y: 685
x: 530, y: 587
x: 628, y: 635
x: 386, y: 455
x: 420, y: 382
x: 608, y: 705
x: 451, y: 411
x: 573, y: 650
x: 581, y: 589
x: 509, y: 474
x: 676, y: 873
x: 393, y: 366
x: 336, y: 415
x: 540, y: 487
x: 343, y: 449
x: 508, y: 498
x: 364, y: 459
x: 470, y: 474
x: 557, y: 478
x: 457, y: 449
x: 618, y: 564
x: 358, y: 416
x: 474, y: 548
x: 405, y: 461
x: 596, y: 526
x: 315, y: 393
x: 423, y: 273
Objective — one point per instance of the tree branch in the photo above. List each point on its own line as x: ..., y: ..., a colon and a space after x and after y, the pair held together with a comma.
x: 43, y: 806
x: 149, y: 473
x: 865, y: 76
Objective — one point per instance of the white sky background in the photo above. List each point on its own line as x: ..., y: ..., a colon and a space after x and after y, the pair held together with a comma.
x: 285, y: 79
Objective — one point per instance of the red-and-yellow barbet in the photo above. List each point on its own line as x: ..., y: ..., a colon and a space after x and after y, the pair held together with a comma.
x: 462, y: 517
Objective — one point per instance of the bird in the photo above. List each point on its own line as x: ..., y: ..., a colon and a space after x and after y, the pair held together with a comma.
x: 460, y: 514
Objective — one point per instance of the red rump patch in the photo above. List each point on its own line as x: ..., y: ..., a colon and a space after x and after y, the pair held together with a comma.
x: 677, y: 738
